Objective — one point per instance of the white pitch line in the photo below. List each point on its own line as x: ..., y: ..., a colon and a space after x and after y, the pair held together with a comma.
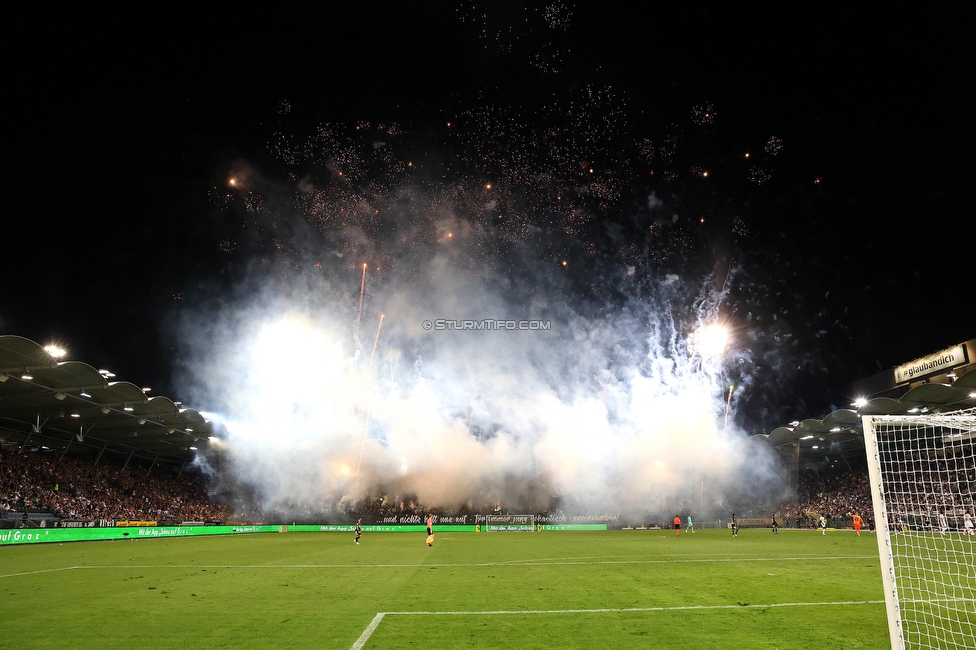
x: 368, y: 632
x: 31, y: 573
x: 507, y: 564
x: 614, y: 610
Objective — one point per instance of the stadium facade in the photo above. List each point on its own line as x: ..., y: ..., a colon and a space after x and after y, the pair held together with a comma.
x: 940, y: 382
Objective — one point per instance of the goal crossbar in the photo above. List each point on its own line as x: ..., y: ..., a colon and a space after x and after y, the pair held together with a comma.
x: 923, y: 476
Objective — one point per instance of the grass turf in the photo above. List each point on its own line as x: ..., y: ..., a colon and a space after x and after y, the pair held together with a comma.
x: 619, y: 589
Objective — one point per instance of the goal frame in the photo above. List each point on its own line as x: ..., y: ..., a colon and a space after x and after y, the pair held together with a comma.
x: 883, y: 526
x: 509, y: 523
x: 892, y: 607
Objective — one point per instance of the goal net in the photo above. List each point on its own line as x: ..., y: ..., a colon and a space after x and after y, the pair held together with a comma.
x: 923, y: 478
x: 508, y: 523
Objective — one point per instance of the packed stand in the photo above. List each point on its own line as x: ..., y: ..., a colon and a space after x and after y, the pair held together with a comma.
x: 78, y: 490
x: 832, y: 493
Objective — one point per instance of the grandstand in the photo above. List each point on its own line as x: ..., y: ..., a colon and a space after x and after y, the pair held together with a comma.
x: 70, y: 406
x: 77, y: 448
x: 941, y: 382
x: 43, y: 489
x: 80, y: 451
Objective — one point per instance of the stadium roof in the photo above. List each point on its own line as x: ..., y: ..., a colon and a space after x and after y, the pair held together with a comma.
x: 840, y: 432
x: 69, y: 404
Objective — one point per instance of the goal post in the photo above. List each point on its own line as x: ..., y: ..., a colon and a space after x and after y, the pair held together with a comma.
x: 509, y: 523
x: 922, y: 470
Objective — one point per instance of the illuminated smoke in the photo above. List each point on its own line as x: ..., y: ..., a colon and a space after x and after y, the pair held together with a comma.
x: 606, y: 411
x: 555, y: 214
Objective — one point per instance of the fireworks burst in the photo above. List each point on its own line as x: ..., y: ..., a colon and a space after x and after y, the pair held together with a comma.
x: 561, y: 208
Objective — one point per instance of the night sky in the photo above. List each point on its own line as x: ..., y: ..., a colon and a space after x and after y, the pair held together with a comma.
x: 846, y: 226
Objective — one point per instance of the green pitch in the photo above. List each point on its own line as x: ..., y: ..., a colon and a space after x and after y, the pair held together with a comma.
x: 617, y: 589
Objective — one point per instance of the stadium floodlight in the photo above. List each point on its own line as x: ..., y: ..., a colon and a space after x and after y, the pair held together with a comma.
x: 920, y: 468
x: 55, y: 351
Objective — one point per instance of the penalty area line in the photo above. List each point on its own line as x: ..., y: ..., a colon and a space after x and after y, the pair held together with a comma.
x: 368, y: 632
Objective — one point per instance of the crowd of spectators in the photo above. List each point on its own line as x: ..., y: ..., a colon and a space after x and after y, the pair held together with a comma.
x: 945, y: 486
x: 77, y: 489
x: 917, y: 490
x: 70, y: 489
x: 74, y: 489
x: 833, y: 493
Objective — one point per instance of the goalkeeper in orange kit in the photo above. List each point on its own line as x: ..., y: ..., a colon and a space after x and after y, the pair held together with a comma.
x: 858, y: 522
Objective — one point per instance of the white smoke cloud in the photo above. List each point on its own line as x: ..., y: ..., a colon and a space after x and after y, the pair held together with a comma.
x: 611, y: 412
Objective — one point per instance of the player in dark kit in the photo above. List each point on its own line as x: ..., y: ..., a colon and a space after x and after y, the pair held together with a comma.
x: 775, y: 525
x: 359, y: 529
x: 735, y: 526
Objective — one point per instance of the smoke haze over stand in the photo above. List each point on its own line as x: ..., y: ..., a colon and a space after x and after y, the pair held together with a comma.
x: 609, y: 407
x: 463, y: 418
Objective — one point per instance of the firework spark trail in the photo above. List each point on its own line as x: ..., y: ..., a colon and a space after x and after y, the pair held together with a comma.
x: 728, y: 407
x: 369, y: 409
x: 376, y: 340
x: 362, y: 290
